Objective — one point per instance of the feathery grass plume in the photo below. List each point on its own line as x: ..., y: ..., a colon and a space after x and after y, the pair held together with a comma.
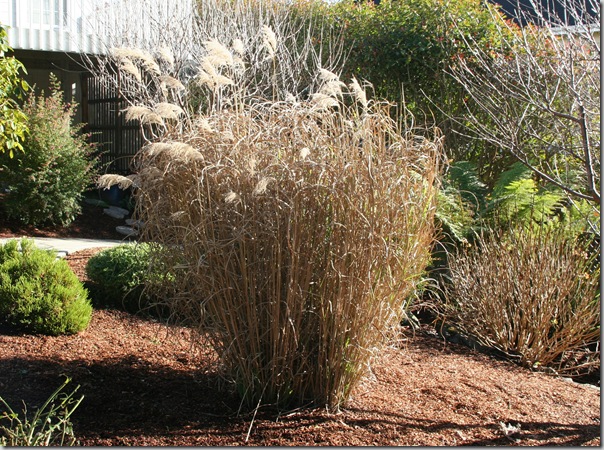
x: 269, y: 41
x: 358, y: 92
x: 171, y: 83
x: 332, y: 88
x: 203, y: 124
x: 108, y: 180
x: 238, y: 47
x: 183, y: 152
x: 123, y: 53
x: 326, y: 75
x: 217, y: 54
x: 203, y: 78
x: 165, y: 54
x: 127, y: 66
x: 262, y: 185
x: 156, y: 149
x: 304, y: 152
x: 232, y: 197
x: 323, y: 101
x: 331, y: 84
x: 168, y: 110
x: 208, y: 76
x: 135, y: 54
x: 143, y: 114
x: 146, y: 60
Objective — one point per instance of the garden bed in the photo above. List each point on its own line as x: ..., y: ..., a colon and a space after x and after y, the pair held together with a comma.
x: 145, y: 384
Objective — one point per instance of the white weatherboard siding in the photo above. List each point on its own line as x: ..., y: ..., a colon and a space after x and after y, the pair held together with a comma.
x: 88, y: 26
x: 50, y: 25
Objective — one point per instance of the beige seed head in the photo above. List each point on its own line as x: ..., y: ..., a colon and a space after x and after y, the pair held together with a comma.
x: 358, y: 92
x: 327, y: 76
x: 238, y: 47
x: 217, y: 54
x: 180, y: 151
x: 269, y: 40
x: 168, y: 110
x: 323, y: 101
x: 232, y: 197
x: 156, y: 149
x: 171, y: 83
x: 332, y: 88
x: 108, y: 180
x: 128, y: 67
x: 143, y: 114
x: 165, y: 54
x: 261, y: 186
x: 204, y: 125
x: 304, y: 152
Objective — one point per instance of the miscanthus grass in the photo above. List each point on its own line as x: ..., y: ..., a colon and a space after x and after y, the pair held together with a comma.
x: 296, y: 228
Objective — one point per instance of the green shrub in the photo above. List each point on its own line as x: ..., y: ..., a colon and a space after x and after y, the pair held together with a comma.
x: 50, y: 425
x: 405, y: 49
x: 120, y: 274
x: 534, y: 294
x: 47, y: 180
x: 39, y: 292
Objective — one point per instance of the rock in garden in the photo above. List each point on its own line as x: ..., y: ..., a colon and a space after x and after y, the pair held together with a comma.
x: 116, y: 212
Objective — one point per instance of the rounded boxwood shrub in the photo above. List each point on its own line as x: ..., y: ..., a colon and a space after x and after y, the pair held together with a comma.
x: 120, y: 274
x: 40, y: 293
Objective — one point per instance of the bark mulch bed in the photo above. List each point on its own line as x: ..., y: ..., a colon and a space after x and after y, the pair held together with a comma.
x: 145, y: 384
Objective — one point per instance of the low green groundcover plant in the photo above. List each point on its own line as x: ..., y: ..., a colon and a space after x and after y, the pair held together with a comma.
x: 39, y: 292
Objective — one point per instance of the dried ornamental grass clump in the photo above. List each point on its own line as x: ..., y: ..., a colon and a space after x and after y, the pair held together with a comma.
x: 299, y: 233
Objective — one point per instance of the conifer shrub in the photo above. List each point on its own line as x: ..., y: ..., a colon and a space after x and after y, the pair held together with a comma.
x: 40, y: 293
x: 47, y: 179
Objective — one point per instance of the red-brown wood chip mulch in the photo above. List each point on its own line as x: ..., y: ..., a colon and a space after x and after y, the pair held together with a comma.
x: 146, y: 384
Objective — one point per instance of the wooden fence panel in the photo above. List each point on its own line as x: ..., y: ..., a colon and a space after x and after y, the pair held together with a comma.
x: 117, y: 141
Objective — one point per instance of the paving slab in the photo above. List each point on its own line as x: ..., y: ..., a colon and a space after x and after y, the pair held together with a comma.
x: 65, y: 246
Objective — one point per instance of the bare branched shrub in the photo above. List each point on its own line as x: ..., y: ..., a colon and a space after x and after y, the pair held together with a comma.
x: 299, y: 234
x: 534, y: 295
x: 537, y: 96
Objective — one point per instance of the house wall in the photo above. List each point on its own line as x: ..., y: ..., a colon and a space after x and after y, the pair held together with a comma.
x: 52, y: 25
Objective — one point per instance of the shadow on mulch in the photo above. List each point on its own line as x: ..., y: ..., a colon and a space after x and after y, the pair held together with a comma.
x: 131, y: 397
x: 121, y: 395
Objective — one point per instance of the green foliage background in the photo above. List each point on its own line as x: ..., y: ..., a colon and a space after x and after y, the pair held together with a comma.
x: 405, y: 48
x: 13, y: 121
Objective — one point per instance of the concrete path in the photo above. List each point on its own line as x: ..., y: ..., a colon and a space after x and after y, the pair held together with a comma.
x: 65, y: 246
